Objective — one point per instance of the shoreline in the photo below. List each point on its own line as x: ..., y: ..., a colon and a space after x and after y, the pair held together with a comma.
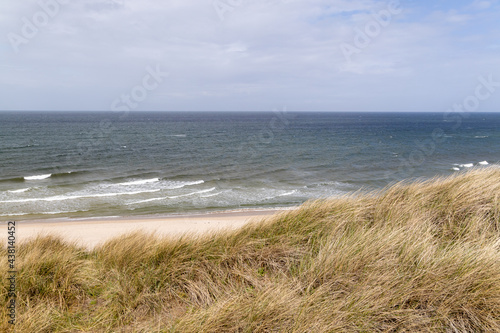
x: 91, y: 232
x: 152, y: 216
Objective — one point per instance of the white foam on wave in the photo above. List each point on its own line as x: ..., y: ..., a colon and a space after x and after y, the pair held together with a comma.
x: 177, y: 196
x: 143, y: 201
x: 456, y: 169
x: 14, y: 214
x: 177, y: 185
x: 38, y: 177
x: 20, y: 190
x: 140, y: 182
x: 287, y: 193
x: 46, y: 213
x: 192, y: 193
x: 166, y: 185
x: 72, y: 197
x: 469, y: 165
x: 277, y: 195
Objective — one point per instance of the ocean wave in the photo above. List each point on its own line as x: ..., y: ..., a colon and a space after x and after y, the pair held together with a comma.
x: 176, y: 185
x: 15, y: 179
x: 46, y: 213
x: 143, y: 201
x: 68, y: 174
x: 277, y: 195
x: 211, y: 195
x: 20, y: 190
x: 72, y: 197
x: 20, y: 146
x: 41, y: 177
x: 38, y: 177
x: 157, y: 183
x: 14, y: 214
x: 175, y: 197
x: 140, y: 182
x: 192, y: 193
x: 469, y: 165
x: 335, y: 184
x: 287, y: 193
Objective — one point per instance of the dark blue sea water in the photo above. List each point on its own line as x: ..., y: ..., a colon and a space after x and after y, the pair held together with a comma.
x: 75, y: 165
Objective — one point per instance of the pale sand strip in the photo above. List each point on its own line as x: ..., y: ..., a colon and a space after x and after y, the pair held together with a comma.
x: 92, y: 232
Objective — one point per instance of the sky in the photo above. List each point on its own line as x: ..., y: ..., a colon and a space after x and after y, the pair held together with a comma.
x: 250, y: 55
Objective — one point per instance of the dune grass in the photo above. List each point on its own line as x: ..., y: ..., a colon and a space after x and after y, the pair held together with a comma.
x: 419, y: 257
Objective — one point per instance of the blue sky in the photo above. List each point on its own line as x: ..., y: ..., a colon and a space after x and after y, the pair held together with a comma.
x: 232, y: 55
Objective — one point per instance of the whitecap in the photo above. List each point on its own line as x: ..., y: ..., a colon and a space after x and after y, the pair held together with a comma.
x: 71, y: 197
x: 147, y: 200
x: 64, y: 212
x: 177, y: 185
x: 177, y: 196
x: 13, y: 214
x: 140, y: 182
x: 192, y: 193
x: 456, y: 169
x: 46, y: 213
x: 287, y: 193
x: 38, y: 177
x: 468, y: 165
x: 20, y: 190
x: 278, y: 195
x: 483, y: 163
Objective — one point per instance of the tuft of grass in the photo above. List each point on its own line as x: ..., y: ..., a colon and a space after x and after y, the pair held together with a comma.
x: 415, y: 257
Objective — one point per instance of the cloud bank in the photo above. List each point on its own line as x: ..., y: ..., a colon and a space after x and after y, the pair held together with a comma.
x: 233, y: 55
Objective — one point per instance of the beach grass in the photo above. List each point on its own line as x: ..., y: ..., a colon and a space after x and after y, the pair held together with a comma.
x: 415, y: 257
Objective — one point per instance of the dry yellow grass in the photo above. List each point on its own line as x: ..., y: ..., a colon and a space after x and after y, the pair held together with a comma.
x: 420, y: 257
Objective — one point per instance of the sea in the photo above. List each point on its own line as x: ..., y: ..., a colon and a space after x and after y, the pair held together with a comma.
x: 79, y: 165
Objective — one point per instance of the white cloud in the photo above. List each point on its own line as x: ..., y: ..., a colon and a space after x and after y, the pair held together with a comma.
x: 481, y: 4
x: 458, y: 18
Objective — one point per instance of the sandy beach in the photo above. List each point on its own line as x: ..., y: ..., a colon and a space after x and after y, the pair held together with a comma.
x: 94, y: 231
